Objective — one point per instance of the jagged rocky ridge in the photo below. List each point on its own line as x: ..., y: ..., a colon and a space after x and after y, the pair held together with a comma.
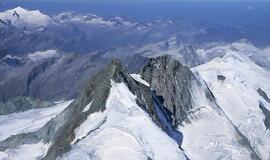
x: 56, y: 78
x: 60, y: 131
x: 176, y: 99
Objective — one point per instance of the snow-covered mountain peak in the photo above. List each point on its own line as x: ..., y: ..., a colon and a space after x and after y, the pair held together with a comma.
x: 88, y: 18
x: 22, y: 17
x: 238, y: 83
x: 115, y: 116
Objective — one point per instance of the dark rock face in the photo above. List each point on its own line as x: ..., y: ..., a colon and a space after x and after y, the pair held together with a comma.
x: 221, y: 78
x: 263, y: 94
x: 19, y: 104
x: 136, y: 63
x: 49, y: 79
x: 57, y: 78
x: 266, y: 113
x: 172, y: 81
x: 21, y: 79
x: 60, y: 130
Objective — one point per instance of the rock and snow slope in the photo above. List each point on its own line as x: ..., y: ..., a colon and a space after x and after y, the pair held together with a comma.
x: 238, y: 84
x: 123, y: 116
x: 23, y: 123
x: 115, y: 117
x: 125, y: 132
x: 207, y: 132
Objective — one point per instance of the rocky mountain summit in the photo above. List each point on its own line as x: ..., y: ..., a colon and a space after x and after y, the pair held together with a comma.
x: 157, y: 114
x: 64, y: 131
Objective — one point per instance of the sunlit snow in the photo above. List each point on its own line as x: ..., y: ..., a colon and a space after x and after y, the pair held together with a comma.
x: 126, y: 132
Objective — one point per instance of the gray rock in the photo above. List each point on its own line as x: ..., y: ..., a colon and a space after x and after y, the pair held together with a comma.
x: 19, y: 104
x: 172, y: 81
x: 60, y: 130
x: 266, y: 113
x: 49, y: 79
x: 263, y: 94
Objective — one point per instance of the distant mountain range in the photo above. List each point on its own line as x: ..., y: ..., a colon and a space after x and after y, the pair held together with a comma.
x: 79, y: 86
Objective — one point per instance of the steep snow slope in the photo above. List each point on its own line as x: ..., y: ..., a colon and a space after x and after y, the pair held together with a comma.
x: 122, y: 131
x: 209, y: 134
x: 25, y: 122
x: 22, y: 17
x: 28, y: 121
x: 235, y: 81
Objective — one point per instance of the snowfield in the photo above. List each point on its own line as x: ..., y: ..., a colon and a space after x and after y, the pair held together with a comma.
x: 237, y: 95
x: 26, y: 151
x: 209, y: 135
x: 24, y: 122
x: 28, y: 121
x: 122, y: 131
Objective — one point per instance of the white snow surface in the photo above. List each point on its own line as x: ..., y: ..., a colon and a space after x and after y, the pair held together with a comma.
x: 260, y: 56
x: 138, y: 78
x: 87, y: 107
x: 237, y: 95
x: 209, y: 135
x: 25, y: 18
x: 25, y: 152
x: 122, y: 131
x: 28, y: 121
x: 40, y: 55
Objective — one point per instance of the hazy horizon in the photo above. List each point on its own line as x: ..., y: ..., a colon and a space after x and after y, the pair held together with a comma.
x: 241, y: 12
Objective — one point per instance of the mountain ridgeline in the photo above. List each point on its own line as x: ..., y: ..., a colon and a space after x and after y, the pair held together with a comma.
x: 170, y: 94
x: 59, y: 131
x: 89, y: 87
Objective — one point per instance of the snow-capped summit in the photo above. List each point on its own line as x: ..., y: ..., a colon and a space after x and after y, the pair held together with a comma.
x: 115, y: 117
x: 22, y: 17
x: 241, y: 89
x: 81, y: 18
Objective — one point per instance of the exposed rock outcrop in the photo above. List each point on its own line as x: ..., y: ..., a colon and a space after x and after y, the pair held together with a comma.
x: 20, y: 104
x: 60, y: 131
x: 172, y: 81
